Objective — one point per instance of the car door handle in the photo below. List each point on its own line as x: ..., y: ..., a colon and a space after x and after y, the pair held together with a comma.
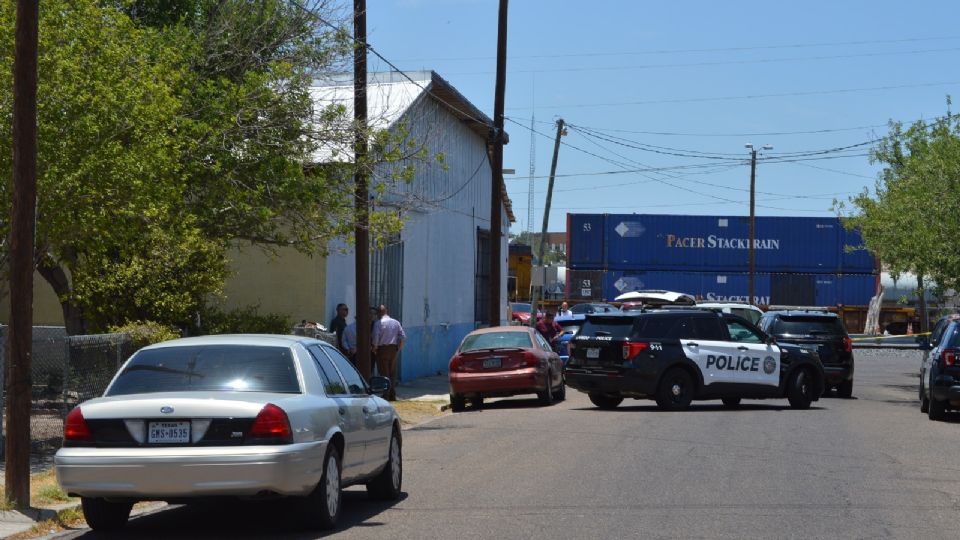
x: 342, y: 411
x: 692, y: 344
x: 742, y: 348
x: 367, y: 410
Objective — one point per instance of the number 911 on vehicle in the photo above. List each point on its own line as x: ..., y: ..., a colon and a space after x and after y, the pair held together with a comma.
x: 677, y: 356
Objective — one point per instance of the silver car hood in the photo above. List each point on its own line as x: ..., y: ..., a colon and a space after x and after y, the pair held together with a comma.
x: 183, y: 405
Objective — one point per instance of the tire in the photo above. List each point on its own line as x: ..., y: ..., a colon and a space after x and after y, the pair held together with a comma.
x: 801, y: 389
x: 937, y: 410
x: 605, y: 401
x: 924, y: 401
x: 845, y: 389
x: 321, y: 509
x: 561, y: 394
x: 104, y: 515
x: 387, y: 485
x: 477, y: 402
x: 675, y: 391
x: 457, y: 402
x: 731, y: 402
x: 546, y: 397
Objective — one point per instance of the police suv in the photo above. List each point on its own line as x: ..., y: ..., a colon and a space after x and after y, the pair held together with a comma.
x: 677, y: 356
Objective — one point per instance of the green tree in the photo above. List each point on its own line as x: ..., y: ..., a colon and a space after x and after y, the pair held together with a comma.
x: 170, y: 129
x: 912, y: 218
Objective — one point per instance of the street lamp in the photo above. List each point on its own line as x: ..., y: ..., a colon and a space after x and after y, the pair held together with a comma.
x: 753, y: 184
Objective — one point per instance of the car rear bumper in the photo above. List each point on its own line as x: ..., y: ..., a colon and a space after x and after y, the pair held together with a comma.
x: 518, y: 381
x: 609, y: 382
x: 836, y: 374
x: 945, y: 388
x: 159, y: 473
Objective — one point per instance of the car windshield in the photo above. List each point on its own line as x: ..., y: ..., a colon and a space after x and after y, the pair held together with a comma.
x: 496, y: 340
x: 238, y: 368
x: 809, y: 326
x: 520, y: 308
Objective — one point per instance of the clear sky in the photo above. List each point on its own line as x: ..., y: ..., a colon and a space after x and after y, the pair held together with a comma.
x: 662, y: 96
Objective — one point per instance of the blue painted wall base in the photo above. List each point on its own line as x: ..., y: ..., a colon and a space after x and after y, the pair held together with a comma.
x: 429, y: 348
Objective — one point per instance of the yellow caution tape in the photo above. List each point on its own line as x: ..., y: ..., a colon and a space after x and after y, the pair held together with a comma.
x: 869, y: 338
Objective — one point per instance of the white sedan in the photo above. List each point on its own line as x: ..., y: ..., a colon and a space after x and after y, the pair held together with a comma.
x: 235, y: 415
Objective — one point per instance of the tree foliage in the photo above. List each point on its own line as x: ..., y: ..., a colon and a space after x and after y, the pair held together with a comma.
x: 912, y: 219
x: 169, y: 129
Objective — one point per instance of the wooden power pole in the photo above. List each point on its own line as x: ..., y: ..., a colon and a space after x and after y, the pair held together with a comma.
x: 362, y: 194
x: 497, y: 137
x: 20, y: 334
x: 546, y: 221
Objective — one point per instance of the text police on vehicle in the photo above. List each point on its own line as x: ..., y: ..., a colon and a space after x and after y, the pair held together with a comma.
x: 675, y: 357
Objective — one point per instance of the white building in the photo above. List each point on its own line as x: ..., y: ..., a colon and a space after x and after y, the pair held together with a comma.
x: 434, y: 278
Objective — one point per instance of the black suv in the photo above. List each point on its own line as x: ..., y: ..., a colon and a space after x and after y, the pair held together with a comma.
x: 819, y: 331
x: 675, y: 357
x: 940, y: 372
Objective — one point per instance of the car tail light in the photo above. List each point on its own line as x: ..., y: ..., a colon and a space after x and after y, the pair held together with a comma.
x: 271, y: 423
x: 455, y: 363
x: 530, y: 359
x: 847, y: 344
x: 631, y: 349
x: 75, y: 429
x: 949, y: 357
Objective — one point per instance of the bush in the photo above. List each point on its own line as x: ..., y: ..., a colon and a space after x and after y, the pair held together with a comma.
x: 143, y: 333
x: 245, y: 320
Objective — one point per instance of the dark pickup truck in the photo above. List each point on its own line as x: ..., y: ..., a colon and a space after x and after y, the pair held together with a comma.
x: 675, y: 357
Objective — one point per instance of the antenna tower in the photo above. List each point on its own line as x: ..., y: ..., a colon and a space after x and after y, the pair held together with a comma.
x: 533, y: 170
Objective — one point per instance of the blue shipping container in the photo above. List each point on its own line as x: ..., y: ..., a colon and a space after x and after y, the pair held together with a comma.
x: 783, y: 289
x: 585, y: 239
x: 713, y: 243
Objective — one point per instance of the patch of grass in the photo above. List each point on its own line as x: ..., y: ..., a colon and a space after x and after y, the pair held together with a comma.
x: 70, y: 518
x: 414, y: 412
x: 44, y: 492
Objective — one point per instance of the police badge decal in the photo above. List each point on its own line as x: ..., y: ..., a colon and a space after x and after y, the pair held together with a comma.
x: 769, y: 365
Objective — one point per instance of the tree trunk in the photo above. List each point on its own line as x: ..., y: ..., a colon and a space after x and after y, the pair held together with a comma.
x: 55, y: 275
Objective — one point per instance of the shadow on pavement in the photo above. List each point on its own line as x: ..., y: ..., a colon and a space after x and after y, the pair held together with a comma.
x: 244, y: 519
x: 711, y: 408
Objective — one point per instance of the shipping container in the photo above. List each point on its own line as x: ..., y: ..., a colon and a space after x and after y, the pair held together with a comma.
x: 782, y: 289
x: 584, y: 285
x: 714, y: 243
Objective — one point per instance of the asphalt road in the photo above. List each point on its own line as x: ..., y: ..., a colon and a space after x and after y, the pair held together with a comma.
x: 868, y: 467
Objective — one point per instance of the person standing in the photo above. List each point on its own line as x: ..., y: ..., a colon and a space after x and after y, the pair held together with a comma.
x: 550, y: 329
x: 388, y: 338
x: 350, y: 342
x: 565, y: 310
x: 338, y: 324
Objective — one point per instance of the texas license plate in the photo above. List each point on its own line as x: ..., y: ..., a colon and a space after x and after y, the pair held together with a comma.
x: 168, y: 432
x: 593, y: 353
x: 492, y: 363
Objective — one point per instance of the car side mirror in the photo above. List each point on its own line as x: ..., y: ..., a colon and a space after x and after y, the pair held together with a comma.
x: 379, y: 385
x: 771, y: 340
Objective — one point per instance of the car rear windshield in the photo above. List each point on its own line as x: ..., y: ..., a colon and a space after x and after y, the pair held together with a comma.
x: 520, y: 308
x: 617, y: 327
x: 238, y: 368
x: 496, y: 340
x: 809, y: 326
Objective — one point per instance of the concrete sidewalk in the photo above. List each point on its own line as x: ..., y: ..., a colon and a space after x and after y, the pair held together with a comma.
x: 433, y: 388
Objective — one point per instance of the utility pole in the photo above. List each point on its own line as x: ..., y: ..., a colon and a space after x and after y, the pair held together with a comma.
x: 753, y: 219
x: 497, y: 139
x: 23, y: 225
x: 361, y: 233
x: 546, y: 219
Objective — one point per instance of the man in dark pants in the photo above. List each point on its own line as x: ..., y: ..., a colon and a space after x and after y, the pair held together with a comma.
x: 338, y: 324
x: 388, y: 338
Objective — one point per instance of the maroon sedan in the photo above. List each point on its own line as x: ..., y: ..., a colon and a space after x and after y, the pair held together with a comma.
x: 505, y: 361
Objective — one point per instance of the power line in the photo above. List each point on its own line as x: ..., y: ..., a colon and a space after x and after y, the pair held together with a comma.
x: 716, y: 62
x: 703, y: 50
x: 745, y: 97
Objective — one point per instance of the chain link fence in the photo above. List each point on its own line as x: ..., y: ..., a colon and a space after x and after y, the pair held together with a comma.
x: 65, y: 371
